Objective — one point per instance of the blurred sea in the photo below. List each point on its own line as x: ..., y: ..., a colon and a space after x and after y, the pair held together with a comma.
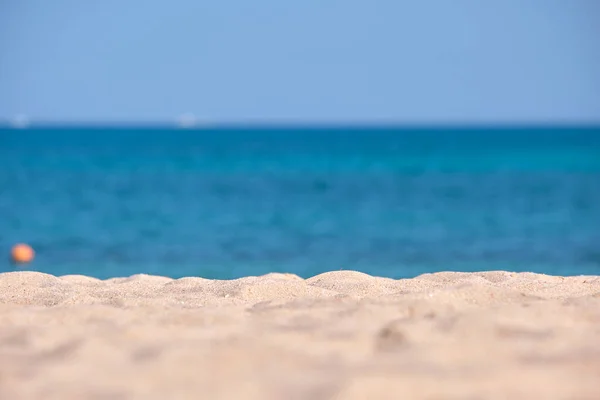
x: 226, y: 203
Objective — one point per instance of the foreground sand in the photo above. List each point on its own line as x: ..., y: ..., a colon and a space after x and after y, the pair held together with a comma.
x: 339, y: 335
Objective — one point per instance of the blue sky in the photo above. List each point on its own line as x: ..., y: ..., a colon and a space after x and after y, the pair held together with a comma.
x: 308, y: 61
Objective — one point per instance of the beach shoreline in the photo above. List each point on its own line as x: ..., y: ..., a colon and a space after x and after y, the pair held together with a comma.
x: 338, y: 335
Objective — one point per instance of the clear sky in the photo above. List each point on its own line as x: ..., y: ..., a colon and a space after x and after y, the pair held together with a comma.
x: 304, y: 60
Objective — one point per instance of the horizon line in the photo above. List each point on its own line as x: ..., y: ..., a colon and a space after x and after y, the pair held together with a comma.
x: 273, y: 124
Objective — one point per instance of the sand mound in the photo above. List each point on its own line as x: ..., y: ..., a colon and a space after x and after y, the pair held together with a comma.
x: 338, y: 335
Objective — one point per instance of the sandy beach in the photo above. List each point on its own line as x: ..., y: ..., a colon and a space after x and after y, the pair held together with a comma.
x: 338, y: 335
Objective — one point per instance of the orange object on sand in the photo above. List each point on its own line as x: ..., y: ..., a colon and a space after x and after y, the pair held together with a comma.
x: 22, y: 253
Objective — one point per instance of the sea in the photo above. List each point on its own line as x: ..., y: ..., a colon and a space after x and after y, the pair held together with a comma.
x: 229, y: 202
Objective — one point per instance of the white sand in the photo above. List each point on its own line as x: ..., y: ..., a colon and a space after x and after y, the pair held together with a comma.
x: 339, y: 335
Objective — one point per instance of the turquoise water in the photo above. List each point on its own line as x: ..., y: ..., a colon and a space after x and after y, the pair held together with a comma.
x: 226, y: 203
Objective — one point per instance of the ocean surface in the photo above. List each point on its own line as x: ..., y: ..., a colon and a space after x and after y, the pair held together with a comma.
x: 226, y: 203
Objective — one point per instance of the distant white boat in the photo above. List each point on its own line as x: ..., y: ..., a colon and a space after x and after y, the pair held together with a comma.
x: 188, y: 120
x: 20, y: 121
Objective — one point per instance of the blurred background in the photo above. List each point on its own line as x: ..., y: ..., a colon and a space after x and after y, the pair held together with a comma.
x: 225, y: 139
